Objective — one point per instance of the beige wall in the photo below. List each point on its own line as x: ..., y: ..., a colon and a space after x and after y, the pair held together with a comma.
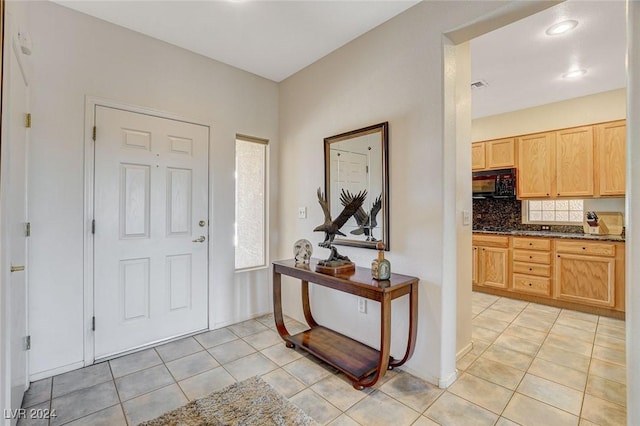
x: 394, y: 73
x: 605, y: 106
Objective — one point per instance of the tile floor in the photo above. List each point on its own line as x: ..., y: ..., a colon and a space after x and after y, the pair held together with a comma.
x: 530, y: 365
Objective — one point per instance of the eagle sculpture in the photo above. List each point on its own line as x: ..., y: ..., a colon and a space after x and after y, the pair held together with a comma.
x: 366, y: 222
x: 332, y: 227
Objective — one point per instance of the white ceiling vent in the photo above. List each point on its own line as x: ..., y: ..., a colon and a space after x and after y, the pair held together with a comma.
x: 479, y: 84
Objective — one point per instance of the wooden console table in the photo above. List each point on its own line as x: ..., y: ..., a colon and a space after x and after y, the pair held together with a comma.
x: 361, y: 363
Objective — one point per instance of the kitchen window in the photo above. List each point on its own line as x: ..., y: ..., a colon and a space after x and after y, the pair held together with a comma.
x: 250, y: 234
x: 560, y: 212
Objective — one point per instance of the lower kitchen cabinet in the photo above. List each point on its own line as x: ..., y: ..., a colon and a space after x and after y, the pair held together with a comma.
x: 493, y: 260
x: 570, y: 273
x: 588, y: 273
x: 532, y: 265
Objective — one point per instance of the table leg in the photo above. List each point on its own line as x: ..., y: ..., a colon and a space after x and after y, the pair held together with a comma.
x: 385, y: 344
x: 277, y: 308
x: 306, y: 306
x: 413, y: 326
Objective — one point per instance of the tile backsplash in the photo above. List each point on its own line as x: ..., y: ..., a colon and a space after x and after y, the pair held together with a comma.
x: 504, y: 214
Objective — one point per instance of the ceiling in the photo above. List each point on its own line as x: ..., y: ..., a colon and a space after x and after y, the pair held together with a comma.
x: 275, y: 39
x: 523, y: 66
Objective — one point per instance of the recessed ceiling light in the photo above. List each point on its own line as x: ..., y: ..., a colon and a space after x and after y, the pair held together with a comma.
x: 574, y: 73
x: 561, y: 27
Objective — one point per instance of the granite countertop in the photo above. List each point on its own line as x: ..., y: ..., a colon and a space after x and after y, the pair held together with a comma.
x: 551, y: 234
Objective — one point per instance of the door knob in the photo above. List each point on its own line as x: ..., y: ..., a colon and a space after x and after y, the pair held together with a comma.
x: 200, y: 239
x: 17, y: 268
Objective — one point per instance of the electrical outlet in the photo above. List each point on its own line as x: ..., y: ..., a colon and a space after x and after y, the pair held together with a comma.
x: 362, y: 305
x: 466, y: 217
x: 302, y: 212
x: 545, y: 228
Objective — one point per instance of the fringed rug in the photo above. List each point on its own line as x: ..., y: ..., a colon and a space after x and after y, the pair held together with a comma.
x: 250, y: 402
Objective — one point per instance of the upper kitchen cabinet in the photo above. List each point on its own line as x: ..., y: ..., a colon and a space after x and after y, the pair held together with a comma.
x: 478, y: 159
x: 611, y: 158
x: 495, y: 154
x: 574, y: 162
x: 536, y: 165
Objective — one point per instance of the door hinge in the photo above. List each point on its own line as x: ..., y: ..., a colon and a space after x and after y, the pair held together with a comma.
x: 94, y: 133
x: 93, y: 226
x: 93, y: 323
x: 27, y: 120
x: 27, y: 229
x: 27, y: 343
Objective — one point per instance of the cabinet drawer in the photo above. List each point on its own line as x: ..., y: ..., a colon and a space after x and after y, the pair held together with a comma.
x: 534, y: 285
x: 579, y: 247
x: 532, y: 269
x: 532, y: 257
x: 490, y: 240
x: 532, y: 243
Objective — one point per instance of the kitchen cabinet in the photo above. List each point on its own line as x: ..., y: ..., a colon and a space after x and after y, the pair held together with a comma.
x: 536, y: 165
x: 585, y: 272
x: 494, y: 154
x: 567, y: 273
x: 611, y: 158
x: 478, y: 160
x: 574, y: 162
x: 532, y: 265
x: 474, y: 268
x: 493, y: 260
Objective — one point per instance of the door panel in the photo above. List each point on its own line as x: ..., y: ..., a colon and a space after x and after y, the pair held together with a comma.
x: 151, y: 190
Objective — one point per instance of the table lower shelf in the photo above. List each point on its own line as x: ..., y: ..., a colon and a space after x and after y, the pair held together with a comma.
x: 353, y: 358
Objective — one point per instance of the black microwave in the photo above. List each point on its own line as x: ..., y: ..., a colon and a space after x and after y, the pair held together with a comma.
x: 494, y: 184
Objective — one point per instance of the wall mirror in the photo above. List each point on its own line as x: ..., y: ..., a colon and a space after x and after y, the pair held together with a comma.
x: 355, y: 161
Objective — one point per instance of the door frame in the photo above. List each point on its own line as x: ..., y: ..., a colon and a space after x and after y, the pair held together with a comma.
x: 91, y: 102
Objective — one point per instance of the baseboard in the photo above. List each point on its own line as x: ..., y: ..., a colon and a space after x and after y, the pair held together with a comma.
x: 229, y: 322
x: 445, y: 382
x: 55, y: 371
x: 462, y: 352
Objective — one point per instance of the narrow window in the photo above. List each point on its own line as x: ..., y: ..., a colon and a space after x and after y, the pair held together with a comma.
x: 554, y: 211
x: 251, y: 202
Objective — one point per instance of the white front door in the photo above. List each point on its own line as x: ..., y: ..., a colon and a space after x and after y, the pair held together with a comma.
x: 16, y: 212
x: 151, y: 222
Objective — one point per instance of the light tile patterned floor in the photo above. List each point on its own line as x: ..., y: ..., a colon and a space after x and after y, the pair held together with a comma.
x: 530, y: 365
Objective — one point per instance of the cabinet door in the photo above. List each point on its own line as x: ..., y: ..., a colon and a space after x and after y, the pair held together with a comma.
x: 477, y: 156
x: 535, y: 165
x: 574, y: 162
x: 494, y: 264
x: 611, y: 158
x: 501, y: 153
x: 585, y: 279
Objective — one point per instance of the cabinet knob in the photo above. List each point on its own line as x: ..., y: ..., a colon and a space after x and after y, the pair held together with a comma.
x: 530, y: 244
x: 530, y: 257
x: 584, y: 248
x: 531, y: 269
x: 530, y: 285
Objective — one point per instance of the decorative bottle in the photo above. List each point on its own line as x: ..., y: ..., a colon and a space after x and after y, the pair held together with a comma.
x: 380, y: 267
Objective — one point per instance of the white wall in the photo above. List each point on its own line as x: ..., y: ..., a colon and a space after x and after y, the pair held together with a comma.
x: 394, y: 73
x: 633, y: 212
x: 74, y: 56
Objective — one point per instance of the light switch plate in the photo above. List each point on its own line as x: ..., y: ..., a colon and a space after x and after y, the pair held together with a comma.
x: 466, y: 217
x: 302, y: 212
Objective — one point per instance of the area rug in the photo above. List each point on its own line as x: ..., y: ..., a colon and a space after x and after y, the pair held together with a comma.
x: 250, y: 402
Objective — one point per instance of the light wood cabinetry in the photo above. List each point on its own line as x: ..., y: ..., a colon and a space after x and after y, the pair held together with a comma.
x: 493, y: 260
x: 574, y: 162
x: 580, y: 162
x: 611, y: 158
x: 494, y: 154
x: 474, y: 268
x: 532, y: 265
x: 572, y: 273
x: 478, y: 160
x: 588, y: 277
x: 536, y: 165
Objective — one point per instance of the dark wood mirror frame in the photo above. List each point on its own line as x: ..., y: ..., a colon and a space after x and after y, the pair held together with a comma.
x: 367, y: 153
